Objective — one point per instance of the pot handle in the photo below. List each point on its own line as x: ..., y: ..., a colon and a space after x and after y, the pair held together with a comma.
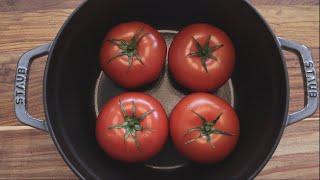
x: 20, y: 89
x: 309, y: 78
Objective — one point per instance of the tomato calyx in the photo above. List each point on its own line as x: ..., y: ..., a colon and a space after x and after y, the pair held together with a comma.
x: 128, y: 48
x: 206, y: 129
x: 205, y: 52
x: 132, y: 123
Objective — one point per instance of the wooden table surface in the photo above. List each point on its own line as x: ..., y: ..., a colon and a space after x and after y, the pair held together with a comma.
x: 30, y: 154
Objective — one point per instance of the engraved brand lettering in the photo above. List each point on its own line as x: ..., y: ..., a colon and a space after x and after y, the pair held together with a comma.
x: 308, y: 64
x: 310, y: 72
x: 20, y: 85
x: 311, y: 79
x: 21, y: 71
x: 20, y: 78
x: 20, y: 82
x: 313, y: 94
x: 312, y: 86
x: 20, y: 100
x: 19, y: 92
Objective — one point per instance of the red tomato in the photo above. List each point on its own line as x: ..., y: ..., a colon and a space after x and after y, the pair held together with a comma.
x: 132, y: 127
x: 204, y: 128
x: 133, y: 54
x: 201, y: 57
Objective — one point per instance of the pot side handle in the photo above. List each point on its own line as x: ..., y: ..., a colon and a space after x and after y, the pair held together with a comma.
x: 20, y: 88
x: 309, y: 77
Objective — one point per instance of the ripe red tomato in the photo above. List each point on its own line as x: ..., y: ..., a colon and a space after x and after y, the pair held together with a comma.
x: 204, y: 128
x: 133, y: 54
x: 132, y: 127
x: 201, y: 57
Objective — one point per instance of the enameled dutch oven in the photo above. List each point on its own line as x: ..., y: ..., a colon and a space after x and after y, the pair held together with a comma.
x: 74, y: 87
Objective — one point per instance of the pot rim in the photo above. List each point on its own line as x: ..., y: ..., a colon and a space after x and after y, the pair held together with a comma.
x: 80, y: 174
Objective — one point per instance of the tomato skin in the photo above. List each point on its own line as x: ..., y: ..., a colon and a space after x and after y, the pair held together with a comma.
x: 209, y: 106
x: 152, y: 49
x: 188, y: 70
x: 151, y: 141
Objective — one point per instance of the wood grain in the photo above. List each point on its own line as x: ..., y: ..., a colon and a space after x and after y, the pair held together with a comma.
x: 29, y: 153
x: 32, y: 5
x: 284, y: 2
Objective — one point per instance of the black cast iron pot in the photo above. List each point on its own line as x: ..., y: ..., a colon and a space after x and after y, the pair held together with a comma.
x: 74, y: 89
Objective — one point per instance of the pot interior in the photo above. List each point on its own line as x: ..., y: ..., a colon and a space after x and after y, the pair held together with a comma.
x: 259, y: 86
x: 169, y: 93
